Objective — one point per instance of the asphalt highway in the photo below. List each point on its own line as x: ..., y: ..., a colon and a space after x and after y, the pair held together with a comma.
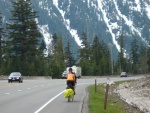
x: 44, y: 96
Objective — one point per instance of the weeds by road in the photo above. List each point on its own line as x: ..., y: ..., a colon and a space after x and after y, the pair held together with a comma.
x: 114, y: 103
x: 96, y: 101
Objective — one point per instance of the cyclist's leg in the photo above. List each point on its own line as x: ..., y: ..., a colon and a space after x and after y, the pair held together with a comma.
x: 69, y: 84
x: 73, y: 85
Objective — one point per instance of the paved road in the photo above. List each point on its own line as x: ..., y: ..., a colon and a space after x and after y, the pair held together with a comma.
x: 44, y: 96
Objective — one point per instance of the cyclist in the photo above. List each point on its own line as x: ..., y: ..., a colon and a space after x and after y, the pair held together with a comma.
x: 71, y: 79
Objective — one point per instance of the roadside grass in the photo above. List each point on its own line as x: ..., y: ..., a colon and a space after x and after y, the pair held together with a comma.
x: 96, y: 100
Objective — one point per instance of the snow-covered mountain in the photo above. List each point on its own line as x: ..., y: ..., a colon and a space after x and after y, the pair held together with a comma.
x: 105, y: 18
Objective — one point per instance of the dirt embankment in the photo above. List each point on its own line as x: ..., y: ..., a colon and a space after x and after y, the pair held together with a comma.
x: 136, y: 94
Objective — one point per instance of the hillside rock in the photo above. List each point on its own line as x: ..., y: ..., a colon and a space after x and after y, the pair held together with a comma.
x: 136, y: 93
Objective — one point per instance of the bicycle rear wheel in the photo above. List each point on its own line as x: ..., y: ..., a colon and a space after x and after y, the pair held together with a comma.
x: 68, y: 98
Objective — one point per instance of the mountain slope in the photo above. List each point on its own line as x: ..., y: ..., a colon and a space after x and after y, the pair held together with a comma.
x: 108, y: 19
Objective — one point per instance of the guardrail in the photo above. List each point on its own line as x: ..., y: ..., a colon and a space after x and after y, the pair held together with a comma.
x: 4, y: 77
x: 28, y: 77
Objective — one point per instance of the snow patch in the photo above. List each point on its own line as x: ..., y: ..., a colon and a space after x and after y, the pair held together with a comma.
x: 44, y: 30
x: 107, y: 23
x: 148, y: 11
x: 128, y: 22
x: 73, y: 32
x: 138, y: 8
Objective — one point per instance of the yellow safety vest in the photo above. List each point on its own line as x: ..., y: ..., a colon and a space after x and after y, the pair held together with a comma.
x: 70, y: 76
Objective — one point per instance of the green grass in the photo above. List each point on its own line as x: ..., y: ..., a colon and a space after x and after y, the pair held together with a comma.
x: 96, y: 101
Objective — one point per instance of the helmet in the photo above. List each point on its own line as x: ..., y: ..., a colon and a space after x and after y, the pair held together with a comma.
x: 70, y: 69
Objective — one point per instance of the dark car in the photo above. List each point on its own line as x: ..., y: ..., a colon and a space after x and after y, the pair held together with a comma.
x: 123, y: 74
x: 15, y: 76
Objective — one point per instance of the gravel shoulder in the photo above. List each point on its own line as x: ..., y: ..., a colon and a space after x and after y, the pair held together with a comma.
x: 136, y: 94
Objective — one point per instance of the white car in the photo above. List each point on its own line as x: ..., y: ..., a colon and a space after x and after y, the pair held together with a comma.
x: 64, y: 74
x: 123, y: 74
x: 15, y: 76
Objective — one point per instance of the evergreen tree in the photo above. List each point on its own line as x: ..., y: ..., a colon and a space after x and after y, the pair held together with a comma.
x: 23, y: 35
x: 134, y: 55
x: 3, y: 37
x: 100, y: 57
x: 41, y: 62
x: 105, y: 60
x: 54, y: 42
x: 42, y: 48
x: 56, y: 59
x: 148, y: 60
x: 52, y: 60
x: 110, y: 45
x: 117, y: 67
x: 59, y: 58
x: 85, y: 55
x: 84, y: 40
x: 121, y: 51
x: 1, y: 44
x: 95, y: 59
x: 122, y: 58
x: 85, y: 51
x: 96, y: 50
x: 143, y: 58
x: 69, y: 56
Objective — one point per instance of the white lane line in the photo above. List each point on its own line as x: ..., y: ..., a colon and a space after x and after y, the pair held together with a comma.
x: 28, y: 88
x: 19, y: 90
x: 48, y: 102
x: 55, y: 98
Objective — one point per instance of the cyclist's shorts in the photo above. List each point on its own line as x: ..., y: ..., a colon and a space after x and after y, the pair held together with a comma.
x: 70, y: 82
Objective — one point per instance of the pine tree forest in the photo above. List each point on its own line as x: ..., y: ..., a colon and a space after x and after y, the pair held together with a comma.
x: 22, y: 49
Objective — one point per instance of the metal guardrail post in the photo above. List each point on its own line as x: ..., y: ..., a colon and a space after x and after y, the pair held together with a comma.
x: 95, y: 85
